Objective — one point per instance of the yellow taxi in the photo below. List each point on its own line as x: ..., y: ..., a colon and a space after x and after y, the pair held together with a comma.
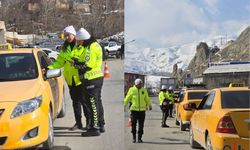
x: 183, y: 113
x: 30, y: 99
x: 222, y: 120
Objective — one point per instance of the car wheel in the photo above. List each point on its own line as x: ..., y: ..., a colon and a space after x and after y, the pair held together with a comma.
x: 208, y: 143
x: 52, y: 59
x: 192, y: 142
x: 177, y: 122
x: 107, y: 54
x: 63, y: 109
x: 117, y: 54
x: 182, y: 126
x: 48, y: 144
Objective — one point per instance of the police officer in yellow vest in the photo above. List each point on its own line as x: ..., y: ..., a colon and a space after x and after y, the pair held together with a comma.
x: 88, y: 60
x: 164, y: 105
x: 138, y: 96
x: 71, y: 75
x: 170, y: 95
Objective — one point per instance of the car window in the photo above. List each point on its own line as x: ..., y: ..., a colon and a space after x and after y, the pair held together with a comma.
x: 196, y: 95
x: 207, y: 101
x: 44, y: 60
x: 47, y: 52
x: 112, y: 44
x: 17, y: 66
x: 235, y: 99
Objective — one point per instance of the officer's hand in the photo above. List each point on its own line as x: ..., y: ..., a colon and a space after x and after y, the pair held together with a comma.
x: 150, y: 107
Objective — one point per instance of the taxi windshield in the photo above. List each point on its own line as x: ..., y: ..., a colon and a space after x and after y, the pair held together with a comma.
x: 17, y: 66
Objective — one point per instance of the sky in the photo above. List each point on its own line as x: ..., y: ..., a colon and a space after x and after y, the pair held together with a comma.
x: 166, y: 23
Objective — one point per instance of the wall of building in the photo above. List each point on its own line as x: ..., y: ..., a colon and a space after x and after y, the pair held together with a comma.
x: 223, y: 80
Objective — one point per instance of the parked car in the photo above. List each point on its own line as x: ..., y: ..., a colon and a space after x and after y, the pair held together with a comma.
x: 31, y: 99
x: 52, y: 54
x: 113, y: 49
x: 221, y: 121
x: 103, y: 44
x: 183, y: 113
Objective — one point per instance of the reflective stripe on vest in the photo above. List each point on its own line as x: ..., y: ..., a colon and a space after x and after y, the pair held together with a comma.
x: 88, y: 75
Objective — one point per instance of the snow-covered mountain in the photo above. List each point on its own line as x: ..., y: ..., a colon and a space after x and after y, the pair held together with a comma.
x: 160, y: 61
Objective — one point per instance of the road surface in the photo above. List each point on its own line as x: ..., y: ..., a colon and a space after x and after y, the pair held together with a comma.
x: 155, y: 137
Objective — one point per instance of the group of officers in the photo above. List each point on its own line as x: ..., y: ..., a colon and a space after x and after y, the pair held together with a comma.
x: 138, y: 101
x: 81, y: 60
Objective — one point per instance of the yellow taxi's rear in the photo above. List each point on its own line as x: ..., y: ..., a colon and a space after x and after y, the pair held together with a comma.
x: 233, y: 130
x: 226, y: 125
x: 25, y: 105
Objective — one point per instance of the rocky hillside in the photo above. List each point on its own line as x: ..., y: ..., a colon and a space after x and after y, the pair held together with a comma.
x: 237, y: 50
x: 199, y: 63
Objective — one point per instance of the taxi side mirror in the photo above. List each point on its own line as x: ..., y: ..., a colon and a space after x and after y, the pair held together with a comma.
x: 189, y: 106
x: 192, y: 106
x: 53, y: 73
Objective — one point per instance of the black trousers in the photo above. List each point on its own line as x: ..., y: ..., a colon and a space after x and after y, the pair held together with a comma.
x: 171, y: 109
x: 92, y: 92
x: 137, y: 116
x: 78, y: 99
x: 165, y: 114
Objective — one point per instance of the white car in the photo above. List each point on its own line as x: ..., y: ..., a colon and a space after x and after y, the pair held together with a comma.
x: 112, y: 49
x: 52, y: 54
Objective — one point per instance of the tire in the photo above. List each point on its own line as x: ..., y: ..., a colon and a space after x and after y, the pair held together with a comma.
x: 118, y: 54
x: 63, y: 109
x: 182, y: 126
x: 208, y: 143
x: 48, y: 144
x: 192, y: 142
x: 106, y: 54
x: 177, y: 122
x: 52, y: 59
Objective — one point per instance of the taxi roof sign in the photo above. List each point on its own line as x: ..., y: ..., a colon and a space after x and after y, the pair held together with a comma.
x: 236, y: 85
x: 5, y: 47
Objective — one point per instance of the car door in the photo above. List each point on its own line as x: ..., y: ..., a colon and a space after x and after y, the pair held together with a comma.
x: 51, y: 84
x: 201, y: 117
x: 180, y: 106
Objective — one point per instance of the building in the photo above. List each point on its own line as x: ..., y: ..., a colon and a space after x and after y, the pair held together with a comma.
x: 223, y: 75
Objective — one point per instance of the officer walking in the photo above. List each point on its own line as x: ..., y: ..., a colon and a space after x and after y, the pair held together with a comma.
x: 164, y: 105
x: 139, y: 99
x: 88, y: 60
x: 170, y: 96
x: 71, y: 76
